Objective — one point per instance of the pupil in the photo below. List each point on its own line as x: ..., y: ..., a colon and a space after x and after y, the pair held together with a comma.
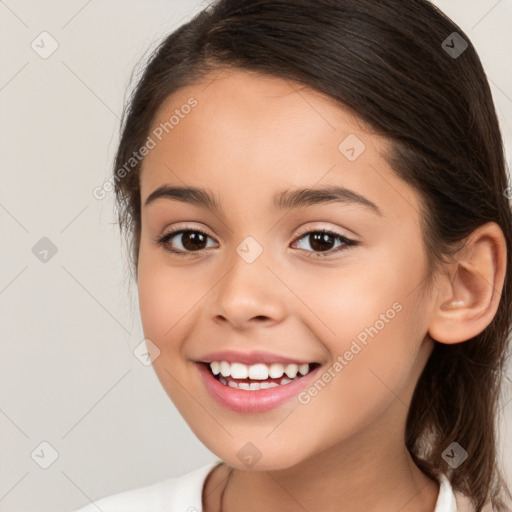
x: 189, y: 238
x: 195, y: 240
x: 321, y: 240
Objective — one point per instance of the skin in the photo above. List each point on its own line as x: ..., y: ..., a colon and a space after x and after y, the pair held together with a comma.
x: 249, y: 137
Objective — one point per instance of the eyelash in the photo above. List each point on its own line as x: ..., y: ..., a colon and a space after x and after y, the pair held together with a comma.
x: 348, y: 242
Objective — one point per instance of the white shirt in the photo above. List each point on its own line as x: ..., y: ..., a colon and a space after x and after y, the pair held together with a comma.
x: 183, y: 494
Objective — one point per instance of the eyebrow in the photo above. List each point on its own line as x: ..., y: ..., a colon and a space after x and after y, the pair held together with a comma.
x: 287, y: 199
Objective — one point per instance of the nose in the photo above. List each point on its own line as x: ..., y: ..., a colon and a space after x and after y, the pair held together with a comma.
x: 248, y: 295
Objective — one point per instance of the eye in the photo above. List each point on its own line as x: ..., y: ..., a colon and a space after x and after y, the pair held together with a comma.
x: 191, y: 240
x: 194, y: 240
x: 322, y: 240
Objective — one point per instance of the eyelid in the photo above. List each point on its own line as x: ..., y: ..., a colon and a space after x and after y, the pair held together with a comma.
x: 335, y: 230
x: 348, y: 240
x: 186, y: 227
x: 301, y: 232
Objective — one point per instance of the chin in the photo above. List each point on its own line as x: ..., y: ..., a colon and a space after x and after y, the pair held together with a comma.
x: 256, y: 456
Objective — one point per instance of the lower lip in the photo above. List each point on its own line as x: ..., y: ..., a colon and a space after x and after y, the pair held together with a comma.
x: 257, y: 400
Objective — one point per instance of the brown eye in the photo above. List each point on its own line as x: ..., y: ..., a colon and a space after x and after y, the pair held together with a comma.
x: 322, y: 241
x: 188, y: 240
x: 192, y: 240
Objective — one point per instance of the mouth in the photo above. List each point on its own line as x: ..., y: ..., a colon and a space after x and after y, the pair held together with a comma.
x: 258, y: 376
x: 253, y: 388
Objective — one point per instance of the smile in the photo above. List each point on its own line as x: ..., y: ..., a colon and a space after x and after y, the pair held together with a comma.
x: 256, y: 387
x: 242, y: 376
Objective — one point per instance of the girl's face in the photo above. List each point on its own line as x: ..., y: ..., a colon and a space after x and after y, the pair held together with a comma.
x: 253, y: 276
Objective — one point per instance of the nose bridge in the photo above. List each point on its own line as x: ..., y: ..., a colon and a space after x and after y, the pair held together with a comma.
x: 249, y: 274
x: 248, y: 289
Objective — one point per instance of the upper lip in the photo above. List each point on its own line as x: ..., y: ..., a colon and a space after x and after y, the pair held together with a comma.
x: 254, y: 357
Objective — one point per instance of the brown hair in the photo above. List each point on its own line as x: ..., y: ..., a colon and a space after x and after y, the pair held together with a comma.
x: 389, y: 62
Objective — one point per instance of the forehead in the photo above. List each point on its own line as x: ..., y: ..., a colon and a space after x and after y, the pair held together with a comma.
x: 264, y: 100
x: 251, y: 134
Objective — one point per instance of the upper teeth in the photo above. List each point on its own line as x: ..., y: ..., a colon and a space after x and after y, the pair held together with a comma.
x: 258, y: 371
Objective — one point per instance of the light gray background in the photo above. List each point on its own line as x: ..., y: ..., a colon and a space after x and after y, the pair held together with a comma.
x: 69, y: 325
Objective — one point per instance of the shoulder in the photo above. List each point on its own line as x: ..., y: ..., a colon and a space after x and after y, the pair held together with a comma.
x: 464, y: 504
x: 451, y: 500
x: 177, y: 494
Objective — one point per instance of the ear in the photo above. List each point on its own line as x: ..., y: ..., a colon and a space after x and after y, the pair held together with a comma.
x: 469, y: 293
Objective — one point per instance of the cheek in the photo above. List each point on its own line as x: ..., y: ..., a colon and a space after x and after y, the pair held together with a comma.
x: 368, y: 379
x: 373, y: 314
x: 362, y: 292
x: 161, y: 300
x: 163, y: 311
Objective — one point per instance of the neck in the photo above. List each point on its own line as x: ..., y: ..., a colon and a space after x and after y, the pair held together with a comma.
x: 358, y: 478
x: 398, y: 485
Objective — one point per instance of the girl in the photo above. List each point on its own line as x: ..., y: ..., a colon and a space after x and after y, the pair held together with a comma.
x: 316, y: 204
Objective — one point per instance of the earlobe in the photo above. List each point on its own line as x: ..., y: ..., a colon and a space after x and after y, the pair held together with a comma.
x: 469, y: 295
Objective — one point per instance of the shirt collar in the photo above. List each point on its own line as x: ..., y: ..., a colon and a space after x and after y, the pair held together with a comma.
x: 446, y: 499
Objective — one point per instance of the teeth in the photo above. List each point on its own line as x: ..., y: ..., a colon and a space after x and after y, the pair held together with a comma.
x: 258, y: 371
x: 276, y: 370
x: 239, y: 371
x: 225, y: 369
x: 291, y: 370
x: 253, y: 386
x: 304, y: 369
